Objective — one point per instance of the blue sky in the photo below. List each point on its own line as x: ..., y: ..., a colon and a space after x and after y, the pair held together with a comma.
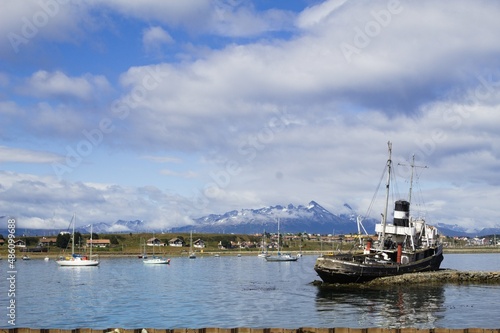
x: 168, y: 110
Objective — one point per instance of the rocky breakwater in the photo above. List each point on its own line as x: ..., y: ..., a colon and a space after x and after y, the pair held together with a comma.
x: 441, y: 276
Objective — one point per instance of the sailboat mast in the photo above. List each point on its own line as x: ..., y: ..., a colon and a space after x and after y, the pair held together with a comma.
x: 73, y: 236
x: 91, y: 242
x: 384, y: 217
x: 279, y: 235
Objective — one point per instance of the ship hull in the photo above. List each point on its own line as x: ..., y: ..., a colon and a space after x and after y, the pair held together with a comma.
x: 345, y: 268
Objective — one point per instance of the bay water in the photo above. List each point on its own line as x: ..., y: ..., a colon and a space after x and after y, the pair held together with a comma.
x: 231, y: 291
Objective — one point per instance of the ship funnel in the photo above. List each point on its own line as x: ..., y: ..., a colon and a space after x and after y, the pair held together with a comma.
x: 402, y: 213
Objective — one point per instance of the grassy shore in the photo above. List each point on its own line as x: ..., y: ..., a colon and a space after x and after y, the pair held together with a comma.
x: 133, y: 245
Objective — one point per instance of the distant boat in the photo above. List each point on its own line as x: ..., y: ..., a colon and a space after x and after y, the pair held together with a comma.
x: 407, y: 245
x: 46, y: 258
x: 26, y: 257
x: 281, y: 256
x: 78, y: 259
x: 155, y: 260
x: 263, y: 253
x: 192, y: 255
x: 144, y: 254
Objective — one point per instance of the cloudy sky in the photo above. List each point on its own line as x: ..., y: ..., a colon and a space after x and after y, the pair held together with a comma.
x: 166, y: 110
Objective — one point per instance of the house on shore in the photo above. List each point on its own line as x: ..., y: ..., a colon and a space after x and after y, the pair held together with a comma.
x: 98, y: 243
x: 154, y: 242
x: 176, y: 242
x: 47, y: 241
x: 199, y: 244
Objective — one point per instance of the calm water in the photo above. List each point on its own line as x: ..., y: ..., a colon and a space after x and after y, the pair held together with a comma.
x: 236, y: 292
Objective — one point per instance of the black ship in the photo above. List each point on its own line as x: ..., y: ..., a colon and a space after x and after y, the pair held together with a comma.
x: 408, y: 245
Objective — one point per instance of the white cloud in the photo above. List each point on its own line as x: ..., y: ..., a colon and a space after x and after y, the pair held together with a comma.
x: 417, y: 82
x: 186, y: 174
x: 162, y: 159
x: 58, y: 84
x: 171, y: 12
x: 9, y: 154
x: 241, y: 86
x: 47, y: 203
x: 318, y: 13
x: 31, y: 22
x: 224, y: 18
x: 154, y: 37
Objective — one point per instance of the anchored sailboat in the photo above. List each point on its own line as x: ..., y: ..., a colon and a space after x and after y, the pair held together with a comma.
x: 78, y: 259
x: 192, y: 255
x: 155, y: 259
x: 281, y: 256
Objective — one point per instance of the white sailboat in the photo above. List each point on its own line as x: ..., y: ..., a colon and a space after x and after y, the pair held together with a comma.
x: 281, y: 256
x: 156, y: 259
x: 78, y: 259
x: 263, y: 253
x: 192, y: 255
x: 144, y: 254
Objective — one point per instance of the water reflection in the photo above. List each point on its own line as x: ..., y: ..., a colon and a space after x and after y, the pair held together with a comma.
x: 394, y: 307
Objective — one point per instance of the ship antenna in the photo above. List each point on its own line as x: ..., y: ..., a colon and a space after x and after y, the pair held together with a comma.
x: 413, y: 166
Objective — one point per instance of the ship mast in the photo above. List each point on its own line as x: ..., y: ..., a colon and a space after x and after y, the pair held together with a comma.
x: 413, y: 166
x: 384, y: 216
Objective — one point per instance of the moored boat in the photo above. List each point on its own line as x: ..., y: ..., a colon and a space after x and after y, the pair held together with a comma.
x: 78, y: 259
x: 157, y: 260
x: 263, y: 253
x: 408, y: 245
x: 280, y: 256
x: 192, y: 255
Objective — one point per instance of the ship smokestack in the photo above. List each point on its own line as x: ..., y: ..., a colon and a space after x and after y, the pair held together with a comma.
x: 402, y: 213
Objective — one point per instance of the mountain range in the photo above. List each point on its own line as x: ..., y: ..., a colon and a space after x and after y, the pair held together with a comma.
x: 311, y: 218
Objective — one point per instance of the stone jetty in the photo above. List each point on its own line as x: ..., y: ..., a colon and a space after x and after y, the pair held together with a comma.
x: 441, y: 276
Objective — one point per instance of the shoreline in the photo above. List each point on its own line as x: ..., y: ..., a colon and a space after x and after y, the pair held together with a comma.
x: 53, y: 256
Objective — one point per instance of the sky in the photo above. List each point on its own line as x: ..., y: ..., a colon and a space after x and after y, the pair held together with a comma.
x: 166, y: 110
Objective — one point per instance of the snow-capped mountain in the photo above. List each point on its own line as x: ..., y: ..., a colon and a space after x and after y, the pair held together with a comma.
x: 312, y: 218
x: 117, y: 227
x: 456, y: 230
x: 451, y: 230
